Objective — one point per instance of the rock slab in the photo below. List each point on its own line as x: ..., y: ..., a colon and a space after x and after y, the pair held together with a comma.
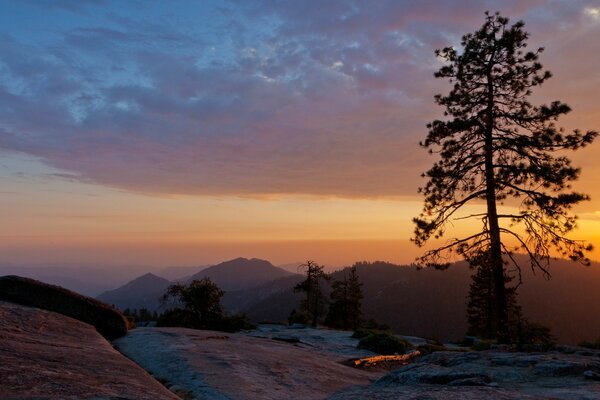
x: 45, y: 355
x: 109, y: 322
x: 497, y: 375
x: 213, y: 365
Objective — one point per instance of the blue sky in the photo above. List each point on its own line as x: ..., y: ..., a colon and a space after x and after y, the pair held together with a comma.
x: 258, y: 100
x: 238, y: 98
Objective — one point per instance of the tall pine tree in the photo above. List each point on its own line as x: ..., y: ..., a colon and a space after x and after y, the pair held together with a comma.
x: 495, y: 146
x: 313, y: 305
x: 346, y: 302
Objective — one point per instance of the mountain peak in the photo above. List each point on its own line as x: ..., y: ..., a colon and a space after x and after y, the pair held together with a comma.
x: 147, y: 276
x: 142, y: 292
x: 243, y: 260
x: 240, y: 273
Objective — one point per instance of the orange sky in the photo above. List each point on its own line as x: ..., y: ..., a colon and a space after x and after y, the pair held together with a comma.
x: 294, y: 137
x: 52, y: 220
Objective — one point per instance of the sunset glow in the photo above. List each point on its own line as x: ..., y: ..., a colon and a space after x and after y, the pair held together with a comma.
x: 171, y: 135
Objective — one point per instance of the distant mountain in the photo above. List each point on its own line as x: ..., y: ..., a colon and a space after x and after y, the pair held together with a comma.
x: 427, y: 303
x: 239, y: 278
x: 431, y: 303
x: 142, y: 292
x: 239, y: 300
x: 87, y: 279
x: 241, y: 273
x: 181, y: 273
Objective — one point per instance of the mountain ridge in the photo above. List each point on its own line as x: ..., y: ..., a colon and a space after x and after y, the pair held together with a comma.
x: 432, y: 303
x: 142, y: 292
x: 240, y: 273
x: 233, y: 275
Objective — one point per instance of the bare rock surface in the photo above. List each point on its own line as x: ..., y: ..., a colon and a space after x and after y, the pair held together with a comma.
x: 45, y: 355
x: 109, y: 322
x: 214, y: 365
x: 491, y: 375
x: 331, y: 342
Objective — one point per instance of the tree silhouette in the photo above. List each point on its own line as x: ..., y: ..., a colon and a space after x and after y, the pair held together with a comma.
x: 480, y: 301
x: 201, y: 298
x: 314, y: 303
x: 495, y: 146
x: 346, y: 301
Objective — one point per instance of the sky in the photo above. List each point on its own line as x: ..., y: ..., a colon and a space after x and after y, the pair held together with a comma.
x: 184, y: 133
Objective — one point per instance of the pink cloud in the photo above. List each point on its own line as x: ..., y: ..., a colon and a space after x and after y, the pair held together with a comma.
x: 329, y: 100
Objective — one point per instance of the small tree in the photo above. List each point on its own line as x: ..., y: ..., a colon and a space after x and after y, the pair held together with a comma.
x: 314, y: 302
x: 496, y: 146
x: 480, y: 301
x: 201, y: 299
x: 346, y: 301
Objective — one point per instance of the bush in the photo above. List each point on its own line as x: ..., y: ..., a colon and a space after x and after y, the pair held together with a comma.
x: 187, y: 319
x: 372, y: 327
x: 535, y: 337
x: 201, y: 297
x: 431, y: 347
x: 178, y: 318
x: 364, y: 332
x: 202, y: 308
x: 384, y: 343
x: 483, y: 345
x: 234, y: 323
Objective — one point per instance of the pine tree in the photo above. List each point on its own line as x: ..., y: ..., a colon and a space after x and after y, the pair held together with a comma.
x: 355, y: 297
x: 346, y: 301
x: 313, y: 305
x: 480, y: 301
x: 337, y: 315
x: 495, y: 146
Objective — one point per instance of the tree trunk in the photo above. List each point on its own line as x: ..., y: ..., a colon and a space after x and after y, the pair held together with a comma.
x: 489, y: 326
x: 500, y: 316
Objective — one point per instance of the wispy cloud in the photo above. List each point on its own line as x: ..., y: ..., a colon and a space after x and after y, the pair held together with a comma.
x: 236, y: 99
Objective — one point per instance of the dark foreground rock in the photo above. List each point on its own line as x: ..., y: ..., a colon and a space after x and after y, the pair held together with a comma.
x: 489, y: 375
x: 109, y: 322
x: 44, y: 355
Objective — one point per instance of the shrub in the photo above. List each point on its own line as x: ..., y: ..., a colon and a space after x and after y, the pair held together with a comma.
x: 384, y: 343
x: 200, y: 297
x: 178, y: 318
x: 364, y: 332
x: 535, y: 337
x: 483, y: 345
x: 429, y: 348
x: 233, y: 323
x: 202, y: 308
x: 187, y: 319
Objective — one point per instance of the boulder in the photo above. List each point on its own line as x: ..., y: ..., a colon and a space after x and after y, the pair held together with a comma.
x: 45, y: 355
x: 109, y: 322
